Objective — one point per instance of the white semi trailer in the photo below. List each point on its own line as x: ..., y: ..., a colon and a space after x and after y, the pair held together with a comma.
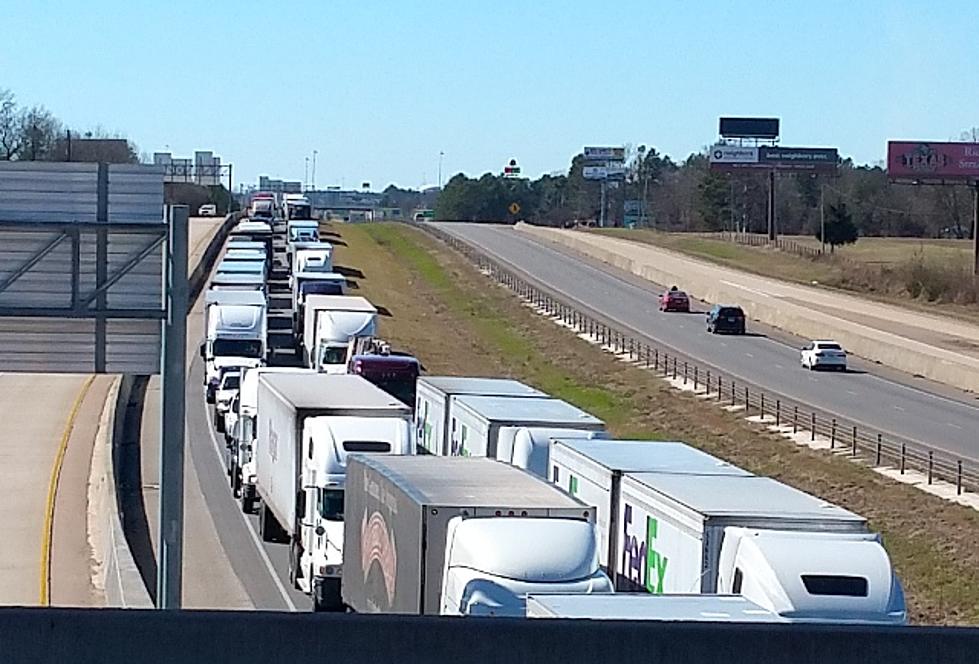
x: 451, y: 536
x: 307, y: 425
x: 433, y: 398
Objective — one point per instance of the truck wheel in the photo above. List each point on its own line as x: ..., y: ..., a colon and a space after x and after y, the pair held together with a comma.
x: 266, y: 524
x: 294, y: 566
x: 326, y: 595
x: 218, y: 421
x: 247, y: 500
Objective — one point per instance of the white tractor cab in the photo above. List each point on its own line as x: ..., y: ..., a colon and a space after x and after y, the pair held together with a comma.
x: 236, y: 333
x: 225, y: 393
x: 262, y: 208
x: 296, y: 206
x: 300, y: 230
x: 253, y: 231
x: 312, y: 257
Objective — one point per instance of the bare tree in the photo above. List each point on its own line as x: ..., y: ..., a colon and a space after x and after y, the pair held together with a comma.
x: 40, y: 131
x: 10, y: 134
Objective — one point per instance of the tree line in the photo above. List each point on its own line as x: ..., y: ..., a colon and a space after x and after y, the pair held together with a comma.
x: 687, y: 196
x: 33, y: 133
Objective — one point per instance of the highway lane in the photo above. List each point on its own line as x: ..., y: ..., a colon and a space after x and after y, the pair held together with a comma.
x: 862, y: 396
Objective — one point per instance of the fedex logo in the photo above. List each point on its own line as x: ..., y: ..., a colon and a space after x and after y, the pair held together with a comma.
x: 642, y: 566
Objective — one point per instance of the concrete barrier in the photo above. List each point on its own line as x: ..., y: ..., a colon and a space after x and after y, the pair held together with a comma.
x: 115, y: 575
x: 890, y: 349
x: 56, y: 636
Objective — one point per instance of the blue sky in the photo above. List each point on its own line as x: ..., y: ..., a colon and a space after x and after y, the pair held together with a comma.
x: 380, y: 88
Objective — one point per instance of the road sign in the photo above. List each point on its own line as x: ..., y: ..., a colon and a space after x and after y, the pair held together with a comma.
x: 514, y: 208
x: 602, y: 172
x: 632, y: 206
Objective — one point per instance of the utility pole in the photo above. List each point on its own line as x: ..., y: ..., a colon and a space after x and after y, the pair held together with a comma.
x: 441, y: 154
x: 731, y: 208
x: 313, y: 187
x: 822, y: 218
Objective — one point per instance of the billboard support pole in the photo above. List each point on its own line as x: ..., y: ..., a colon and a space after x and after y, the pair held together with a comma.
x: 601, y: 214
x: 169, y: 578
x: 975, y: 227
x: 771, y: 206
x: 822, y: 218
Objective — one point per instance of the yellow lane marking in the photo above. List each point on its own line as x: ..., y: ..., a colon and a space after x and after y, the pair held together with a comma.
x: 59, y: 459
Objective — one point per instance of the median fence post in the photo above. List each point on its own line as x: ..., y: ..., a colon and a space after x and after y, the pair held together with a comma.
x: 674, y: 367
x: 720, y: 385
x: 762, y: 405
x: 632, y: 347
x: 832, y: 435
x: 879, y: 445
x: 904, y: 451
x: 958, y: 479
x: 853, y: 447
x: 795, y: 420
x: 656, y: 359
x: 812, y: 428
x: 732, y: 394
x: 695, y: 379
x: 747, y: 405
x: 778, y: 412
x: 684, y: 372
x: 931, y: 465
x: 647, y: 356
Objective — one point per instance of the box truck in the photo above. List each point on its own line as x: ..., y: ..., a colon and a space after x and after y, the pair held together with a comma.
x: 329, y: 322
x: 793, y: 554
x: 307, y: 425
x: 642, y: 606
x: 433, y: 398
x: 489, y: 425
x: 453, y: 536
x: 592, y: 470
x: 241, y: 463
x: 236, y: 333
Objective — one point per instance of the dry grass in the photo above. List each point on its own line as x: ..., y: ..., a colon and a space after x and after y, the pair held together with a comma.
x: 448, y: 314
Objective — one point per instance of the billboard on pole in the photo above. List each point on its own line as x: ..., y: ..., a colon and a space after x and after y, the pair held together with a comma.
x: 602, y: 172
x: 604, y: 154
x: 923, y: 161
x: 766, y: 128
x: 727, y: 158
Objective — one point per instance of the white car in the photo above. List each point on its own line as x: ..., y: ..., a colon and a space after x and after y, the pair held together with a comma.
x: 225, y: 392
x: 823, y: 353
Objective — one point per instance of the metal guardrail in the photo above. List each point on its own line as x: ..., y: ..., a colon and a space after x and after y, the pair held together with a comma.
x: 875, y: 448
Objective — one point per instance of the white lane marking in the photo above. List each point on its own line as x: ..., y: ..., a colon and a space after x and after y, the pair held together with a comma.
x: 248, y: 526
x: 898, y: 408
x: 749, y: 355
x: 953, y: 425
x: 851, y: 392
x: 778, y: 366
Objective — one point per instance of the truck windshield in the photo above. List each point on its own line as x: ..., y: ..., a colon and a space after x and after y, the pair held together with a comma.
x: 331, y: 504
x: 320, y: 288
x: 237, y: 348
x: 333, y: 354
x: 230, y: 382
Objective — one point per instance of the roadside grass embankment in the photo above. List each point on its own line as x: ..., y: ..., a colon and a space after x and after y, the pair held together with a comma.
x: 457, y: 322
x: 924, y: 274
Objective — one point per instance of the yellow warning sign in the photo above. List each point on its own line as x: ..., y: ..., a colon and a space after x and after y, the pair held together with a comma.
x: 514, y: 208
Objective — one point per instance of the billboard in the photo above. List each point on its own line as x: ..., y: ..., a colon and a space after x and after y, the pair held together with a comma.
x: 604, y: 154
x: 602, y: 172
x: 728, y: 158
x: 749, y: 128
x: 923, y: 160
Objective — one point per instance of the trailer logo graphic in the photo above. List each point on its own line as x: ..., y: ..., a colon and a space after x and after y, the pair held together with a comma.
x: 643, y: 566
x: 377, y: 545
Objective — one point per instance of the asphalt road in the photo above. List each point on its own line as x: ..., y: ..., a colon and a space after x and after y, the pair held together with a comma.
x: 861, y: 395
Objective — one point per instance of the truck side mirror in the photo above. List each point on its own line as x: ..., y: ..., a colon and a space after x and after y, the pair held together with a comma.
x: 203, y: 354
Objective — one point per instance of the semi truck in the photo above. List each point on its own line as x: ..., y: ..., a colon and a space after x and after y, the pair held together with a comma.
x: 300, y: 231
x: 429, y: 535
x: 489, y: 425
x: 236, y: 333
x: 642, y: 606
x: 296, y: 206
x: 241, y: 462
x: 791, y: 553
x: 395, y: 374
x: 329, y: 322
x: 312, y: 257
x: 434, y: 395
x: 307, y: 427
x: 313, y: 283
x: 592, y: 470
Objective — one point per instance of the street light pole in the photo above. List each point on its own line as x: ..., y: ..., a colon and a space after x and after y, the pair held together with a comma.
x: 306, y: 176
x: 441, y: 154
x: 313, y: 183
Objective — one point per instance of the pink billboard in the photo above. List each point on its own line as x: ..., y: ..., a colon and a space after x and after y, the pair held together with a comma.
x: 924, y: 160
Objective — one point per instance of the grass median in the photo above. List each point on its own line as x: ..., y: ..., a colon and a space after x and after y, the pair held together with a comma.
x: 457, y: 322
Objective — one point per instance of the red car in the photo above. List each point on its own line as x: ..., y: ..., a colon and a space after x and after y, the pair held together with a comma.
x: 674, y: 300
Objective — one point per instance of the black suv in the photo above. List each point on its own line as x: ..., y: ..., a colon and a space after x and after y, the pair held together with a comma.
x: 725, y: 318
